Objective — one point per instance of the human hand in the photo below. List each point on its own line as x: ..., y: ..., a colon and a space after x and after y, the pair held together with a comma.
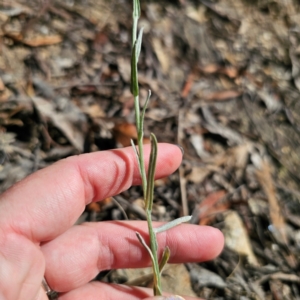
x: 37, y: 236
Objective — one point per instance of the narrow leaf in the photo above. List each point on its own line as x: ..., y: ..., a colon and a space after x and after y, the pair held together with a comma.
x: 157, y: 290
x: 164, y: 259
x: 144, y: 109
x: 154, y: 247
x: 139, y: 44
x: 134, y: 62
x: 172, y: 224
x: 135, y: 16
x: 142, y: 241
x: 156, y: 287
x: 137, y: 155
x: 136, y: 9
x: 151, y: 173
x: 134, y: 73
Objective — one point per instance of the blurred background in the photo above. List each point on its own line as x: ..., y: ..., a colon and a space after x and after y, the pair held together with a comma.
x: 225, y: 82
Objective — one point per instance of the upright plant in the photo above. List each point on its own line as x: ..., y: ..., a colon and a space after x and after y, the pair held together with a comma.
x: 147, y: 180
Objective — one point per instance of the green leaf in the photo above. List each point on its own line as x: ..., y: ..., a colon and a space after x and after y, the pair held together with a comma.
x: 134, y: 73
x: 139, y: 44
x: 136, y: 155
x: 156, y: 273
x: 151, y: 173
x: 144, y: 110
x: 155, y: 266
x: 136, y: 9
x: 165, y: 258
x: 172, y: 224
x: 136, y: 13
x: 134, y: 64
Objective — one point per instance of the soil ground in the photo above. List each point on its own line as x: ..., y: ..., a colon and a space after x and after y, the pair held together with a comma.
x: 225, y: 82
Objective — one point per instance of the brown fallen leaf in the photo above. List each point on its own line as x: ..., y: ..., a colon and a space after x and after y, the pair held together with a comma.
x: 97, y: 206
x: 43, y: 41
x: 209, y: 207
x: 230, y: 71
x: 223, y: 95
x: 264, y: 177
x: 94, y: 206
x: 188, y: 85
x: 94, y: 111
x: 36, y: 41
x: 124, y: 133
x: 210, y: 68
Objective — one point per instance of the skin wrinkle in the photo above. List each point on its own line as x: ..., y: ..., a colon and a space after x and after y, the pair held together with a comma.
x: 114, y: 168
x: 124, y: 173
x: 86, y: 175
x: 76, y: 273
x: 82, y: 262
x: 38, y: 260
x: 141, y: 252
x: 37, y: 215
x: 103, y: 248
x: 22, y: 256
x: 20, y: 226
x: 135, y: 250
x: 136, y: 254
x: 4, y: 233
x: 113, y: 258
x: 112, y: 254
x: 170, y: 242
x: 84, y: 180
x: 62, y: 202
x: 116, y: 173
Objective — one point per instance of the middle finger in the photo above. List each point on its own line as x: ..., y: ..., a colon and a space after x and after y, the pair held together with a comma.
x: 79, y: 254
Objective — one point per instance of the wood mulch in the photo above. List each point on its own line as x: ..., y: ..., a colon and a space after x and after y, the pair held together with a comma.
x: 225, y: 82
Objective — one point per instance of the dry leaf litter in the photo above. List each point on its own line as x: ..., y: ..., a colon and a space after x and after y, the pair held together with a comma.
x: 225, y: 78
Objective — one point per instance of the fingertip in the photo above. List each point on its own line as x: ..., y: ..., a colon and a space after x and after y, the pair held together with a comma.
x: 206, y: 242
x: 181, y: 149
x: 216, y: 240
x: 221, y: 240
x: 169, y: 155
x: 174, y: 149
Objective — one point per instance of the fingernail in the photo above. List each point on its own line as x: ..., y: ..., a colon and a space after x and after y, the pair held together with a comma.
x: 182, y: 151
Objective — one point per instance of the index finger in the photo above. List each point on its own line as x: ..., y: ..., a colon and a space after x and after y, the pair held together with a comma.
x: 48, y: 202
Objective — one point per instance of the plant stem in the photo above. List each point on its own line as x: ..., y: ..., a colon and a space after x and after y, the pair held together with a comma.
x: 154, y: 249
x: 147, y: 181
